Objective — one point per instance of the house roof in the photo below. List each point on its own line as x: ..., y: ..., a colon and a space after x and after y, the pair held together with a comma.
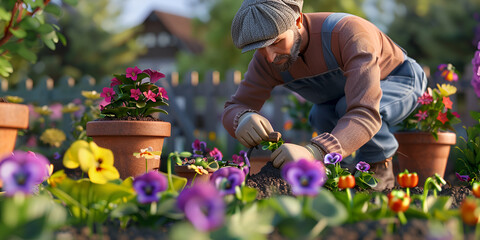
x: 181, y: 27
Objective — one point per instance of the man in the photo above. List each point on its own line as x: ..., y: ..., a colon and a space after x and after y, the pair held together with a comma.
x: 359, y: 80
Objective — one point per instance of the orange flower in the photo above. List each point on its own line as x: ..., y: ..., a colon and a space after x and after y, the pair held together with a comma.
x: 447, y: 102
x: 288, y: 125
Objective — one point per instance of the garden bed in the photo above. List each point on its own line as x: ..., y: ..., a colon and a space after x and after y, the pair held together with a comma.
x: 269, y: 183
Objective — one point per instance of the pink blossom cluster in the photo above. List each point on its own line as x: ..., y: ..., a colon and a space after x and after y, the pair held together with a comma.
x: 476, y: 71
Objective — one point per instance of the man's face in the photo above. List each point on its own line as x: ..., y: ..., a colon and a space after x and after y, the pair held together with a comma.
x: 284, y: 51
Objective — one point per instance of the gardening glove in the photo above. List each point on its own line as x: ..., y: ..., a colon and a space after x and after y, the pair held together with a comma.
x: 291, y: 152
x: 252, y: 129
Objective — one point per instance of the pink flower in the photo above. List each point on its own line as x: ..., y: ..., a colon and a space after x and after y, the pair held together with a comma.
x: 115, y: 82
x: 422, y: 115
x: 162, y: 92
x: 56, y: 111
x: 426, y: 98
x: 135, y: 93
x: 154, y: 75
x: 455, y: 114
x: 150, y: 96
x: 108, y: 94
x: 133, y: 72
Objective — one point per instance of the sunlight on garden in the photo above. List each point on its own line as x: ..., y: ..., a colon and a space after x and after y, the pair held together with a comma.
x: 125, y: 119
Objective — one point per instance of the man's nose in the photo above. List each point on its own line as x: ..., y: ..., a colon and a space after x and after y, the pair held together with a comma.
x: 269, y: 54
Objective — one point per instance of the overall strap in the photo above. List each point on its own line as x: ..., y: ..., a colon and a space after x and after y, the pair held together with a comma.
x: 327, y: 28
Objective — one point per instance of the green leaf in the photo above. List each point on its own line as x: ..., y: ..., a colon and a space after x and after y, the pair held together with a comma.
x: 27, y: 54
x: 248, y: 194
x: 62, y: 38
x: 125, y: 209
x: 45, y: 28
x: 30, y: 23
x: 154, y: 110
x: 326, y: 206
x: 19, y: 33
x: 4, y: 14
x: 53, y: 9
x: 71, y: 2
x: 178, y: 182
x: 5, y: 67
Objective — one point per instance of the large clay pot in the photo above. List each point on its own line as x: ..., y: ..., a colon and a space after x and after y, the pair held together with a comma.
x: 127, y: 137
x: 12, y: 117
x: 190, y: 174
x: 420, y: 152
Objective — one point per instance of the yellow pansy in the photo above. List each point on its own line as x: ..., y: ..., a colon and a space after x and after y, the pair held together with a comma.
x: 103, y: 170
x: 70, y: 108
x: 446, y: 89
x: 79, y: 155
x: 43, y: 110
x: 94, y: 95
x: 14, y: 99
x: 148, y: 153
x: 199, y: 169
x: 53, y: 137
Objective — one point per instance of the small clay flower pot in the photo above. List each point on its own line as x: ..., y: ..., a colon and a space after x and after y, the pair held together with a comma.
x: 189, y: 174
x: 12, y: 117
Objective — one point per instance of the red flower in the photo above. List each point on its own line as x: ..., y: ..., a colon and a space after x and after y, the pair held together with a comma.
x: 442, y: 117
x: 346, y: 181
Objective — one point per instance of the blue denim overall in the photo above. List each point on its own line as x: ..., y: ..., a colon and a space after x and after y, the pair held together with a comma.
x: 400, y: 89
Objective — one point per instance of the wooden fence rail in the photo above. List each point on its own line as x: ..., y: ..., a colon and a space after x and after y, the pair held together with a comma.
x: 195, y: 107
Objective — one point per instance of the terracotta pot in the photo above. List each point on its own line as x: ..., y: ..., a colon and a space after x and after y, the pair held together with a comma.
x: 12, y: 117
x: 419, y: 152
x: 127, y: 137
x: 189, y: 174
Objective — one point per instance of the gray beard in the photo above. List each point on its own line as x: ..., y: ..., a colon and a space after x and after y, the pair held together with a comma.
x: 292, y: 57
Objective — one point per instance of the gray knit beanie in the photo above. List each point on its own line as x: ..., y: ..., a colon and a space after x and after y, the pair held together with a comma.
x: 258, y: 23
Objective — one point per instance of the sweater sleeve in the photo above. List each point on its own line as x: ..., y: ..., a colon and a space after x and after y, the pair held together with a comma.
x: 251, y: 94
x: 359, y: 49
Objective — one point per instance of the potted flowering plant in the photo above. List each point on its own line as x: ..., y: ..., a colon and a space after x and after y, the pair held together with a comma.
x: 127, y: 122
x: 198, y: 165
x: 427, y: 134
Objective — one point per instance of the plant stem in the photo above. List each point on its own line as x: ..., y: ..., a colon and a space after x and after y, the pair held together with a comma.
x: 318, y: 228
x: 350, y: 199
x: 408, y: 192
x: 146, y: 167
x: 402, y: 218
x: 169, y: 172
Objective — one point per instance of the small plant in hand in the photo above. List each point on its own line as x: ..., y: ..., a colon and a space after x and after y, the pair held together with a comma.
x: 134, y: 95
x: 434, y: 112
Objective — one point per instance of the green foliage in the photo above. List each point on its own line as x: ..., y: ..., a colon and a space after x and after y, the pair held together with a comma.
x: 35, y: 217
x: 468, y: 151
x: 92, y: 50
x: 25, y: 30
x: 436, y: 31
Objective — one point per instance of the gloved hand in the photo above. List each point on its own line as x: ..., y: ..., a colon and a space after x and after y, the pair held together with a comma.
x: 291, y: 152
x: 252, y: 129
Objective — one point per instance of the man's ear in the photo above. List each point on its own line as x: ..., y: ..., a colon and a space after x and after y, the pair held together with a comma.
x: 299, y: 21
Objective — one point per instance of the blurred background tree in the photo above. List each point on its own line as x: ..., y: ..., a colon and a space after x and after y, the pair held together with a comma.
x: 435, y: 32
x: 91, y: 49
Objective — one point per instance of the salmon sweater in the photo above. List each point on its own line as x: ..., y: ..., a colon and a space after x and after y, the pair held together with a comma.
x: 364, y: 53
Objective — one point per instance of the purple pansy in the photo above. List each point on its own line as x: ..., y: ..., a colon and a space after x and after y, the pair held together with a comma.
x: 216, y: 154
x: 21, y: 171
x: 133, y: 73
x: 198, y: 148
x: 332, y: 158
x: 148, y: 185
x: 154, y: 75
x: 226, y: 179
x: 203, y: 206
x: 362, y: 166
x: 306, y: 177
x: 476, y: 71
x: 463, y: 178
